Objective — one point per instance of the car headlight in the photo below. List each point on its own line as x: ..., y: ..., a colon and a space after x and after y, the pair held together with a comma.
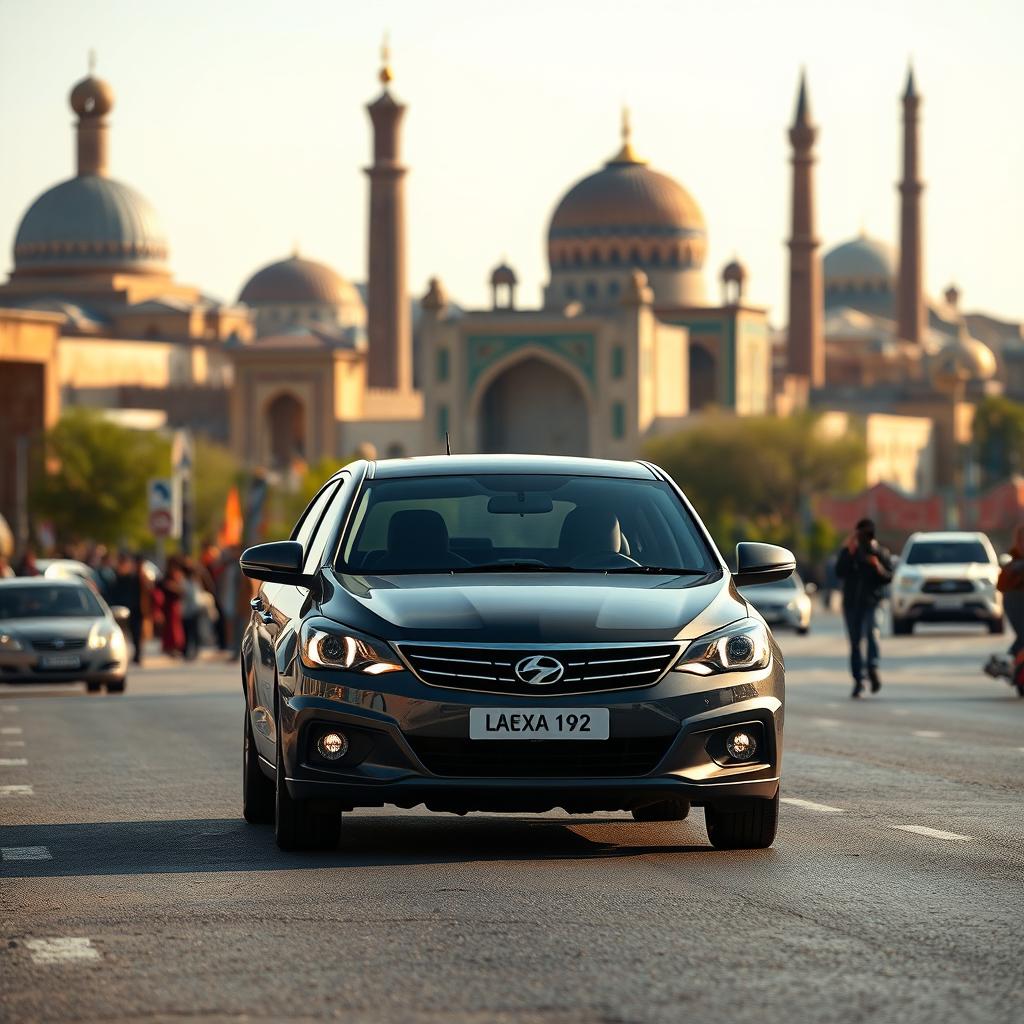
x: 99, y: 636
x: 10, y: 643
x: 907, y: 583
x: 740, y: 646
x: 340, y: 648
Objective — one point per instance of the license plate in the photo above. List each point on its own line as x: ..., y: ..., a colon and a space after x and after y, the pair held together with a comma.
x: 60, y: 661
x: 538, y: 723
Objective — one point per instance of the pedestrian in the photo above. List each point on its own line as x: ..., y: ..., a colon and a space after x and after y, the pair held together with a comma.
x: 865, y: 567
x: 1011, y: 585
x: 211, y: 561
x: 171, y: 589
x: 126, y: 590
x: 191, y: 608
x: 28, y: 565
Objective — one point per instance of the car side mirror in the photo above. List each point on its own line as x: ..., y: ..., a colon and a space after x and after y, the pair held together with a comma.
x: 1005, y: 559
x: 762, y: 563
x: 279, y: 561
x: 121, y: 614
x: 810, y: 589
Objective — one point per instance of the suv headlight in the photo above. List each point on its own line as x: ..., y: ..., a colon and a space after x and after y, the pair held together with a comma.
x: 10, y: 643
x: 908, y: 582
x: 325, y: 646
x: 740, y: 646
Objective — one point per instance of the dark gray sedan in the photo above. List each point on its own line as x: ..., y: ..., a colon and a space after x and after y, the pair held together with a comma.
x: 60, y: 631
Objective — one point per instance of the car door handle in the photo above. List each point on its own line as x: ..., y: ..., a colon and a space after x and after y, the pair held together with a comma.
x: 256, y: 604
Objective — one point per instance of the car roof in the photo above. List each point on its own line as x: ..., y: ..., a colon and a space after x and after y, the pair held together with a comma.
x: 44, y: 581
x: 943, y: 535
x: 449, y: 465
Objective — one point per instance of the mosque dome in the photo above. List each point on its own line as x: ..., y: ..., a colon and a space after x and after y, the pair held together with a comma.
x: 503, y: 274
x: 628, y: 215
x: 861, y: 263
x: 90, y: 223
x: 298, y: 281
x: 963, y: 360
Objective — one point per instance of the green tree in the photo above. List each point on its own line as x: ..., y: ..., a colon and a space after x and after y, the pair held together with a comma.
x: 998, y: 438
x: 215, y: 472
x: 756, y: 477
x: 92, y: 484
x: 286, y: 504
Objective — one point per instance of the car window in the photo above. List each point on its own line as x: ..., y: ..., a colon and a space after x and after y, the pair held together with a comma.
x: 946, y: 552
x: 306, y: 526
x: 42, y: 602
x: 443, y: 523
x: 328, y: 523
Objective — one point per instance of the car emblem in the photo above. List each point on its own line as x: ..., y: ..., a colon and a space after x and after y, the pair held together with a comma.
x: 540, y: 670
x: 58, y: 643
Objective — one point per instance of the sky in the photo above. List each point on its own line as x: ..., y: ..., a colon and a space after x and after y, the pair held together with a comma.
x: 243, y: 122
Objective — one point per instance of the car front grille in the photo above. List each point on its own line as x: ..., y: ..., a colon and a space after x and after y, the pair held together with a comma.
x: 532, y: 759
x: 586, y: 669
x: 57, y: 645
x: 947, y: 587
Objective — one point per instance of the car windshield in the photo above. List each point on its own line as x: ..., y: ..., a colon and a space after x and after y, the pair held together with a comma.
x: 946, y: 552
x: 42, y: 602
x: 523, y: 523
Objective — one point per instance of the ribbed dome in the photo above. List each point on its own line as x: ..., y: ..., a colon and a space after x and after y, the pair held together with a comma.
x: 626, y: 198
x: 299, y: 281
x: 90, y: 223
x: 963, y: 359
x: 860, y: 262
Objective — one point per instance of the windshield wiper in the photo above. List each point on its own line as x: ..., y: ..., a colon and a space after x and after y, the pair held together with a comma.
x: 659, y: 570
x: 515, y: 567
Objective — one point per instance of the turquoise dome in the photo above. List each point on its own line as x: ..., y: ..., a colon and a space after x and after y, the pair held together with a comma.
x: 90, y: 223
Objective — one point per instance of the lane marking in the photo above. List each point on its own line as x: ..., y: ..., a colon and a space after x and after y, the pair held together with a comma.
x: 13, y: 762
x: 58, y: 951
x: 12, y: 743
x: 899, y: 711
x: 15, y: 791
x: 9, y: 709
x: 810, y: 805
x: 25, y: 853
x: 927, y: 734
x: 11, y: 730
x: 827, y: 723
x: 934, y: 833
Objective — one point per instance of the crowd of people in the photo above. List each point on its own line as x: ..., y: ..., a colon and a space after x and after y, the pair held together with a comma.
x: 191, y: 603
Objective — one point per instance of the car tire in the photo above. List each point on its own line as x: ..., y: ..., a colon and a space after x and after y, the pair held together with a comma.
x: 997, y: 625
x: 257, y: 789
x: 748, y: 824
x: 115, y: 686
x: 803, y: 630
x: 297, y: 825
x: 663, y: 810
x: 902, y: 627
x: 93, y: 687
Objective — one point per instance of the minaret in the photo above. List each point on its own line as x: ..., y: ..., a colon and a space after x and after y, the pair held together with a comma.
x: 92, y: 99
x: 910, y: 312
x: 388, y: 326
x: 806, y: 344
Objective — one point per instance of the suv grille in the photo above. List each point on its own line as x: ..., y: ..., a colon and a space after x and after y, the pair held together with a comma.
x: 587, y: 669
x: 533, y: 759
x: 57, y: 645
x: 947, y: 587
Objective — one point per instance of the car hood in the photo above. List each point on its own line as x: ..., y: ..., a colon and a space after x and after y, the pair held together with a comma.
x: 532, y: 607
x: 71, y: 628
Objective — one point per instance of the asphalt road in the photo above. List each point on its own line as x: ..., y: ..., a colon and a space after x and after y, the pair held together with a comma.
x: 130, y: 888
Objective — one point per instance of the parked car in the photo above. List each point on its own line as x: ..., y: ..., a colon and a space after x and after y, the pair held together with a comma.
x: 509, y: 633
x: 69, y: 569
x: 946, y: 577
x: 784, y: 604
x: 60, y: 631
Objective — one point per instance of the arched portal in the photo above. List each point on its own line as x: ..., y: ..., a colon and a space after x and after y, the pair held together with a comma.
x: 286, y: 430
x: 534, y: 408
x: 703, y: 378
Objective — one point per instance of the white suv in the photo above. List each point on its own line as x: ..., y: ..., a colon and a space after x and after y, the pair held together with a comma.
x: 946, y: 577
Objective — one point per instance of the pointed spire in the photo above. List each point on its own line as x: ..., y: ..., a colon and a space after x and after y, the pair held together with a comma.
x: 386, y: 75
x: 910, y: 93
x: 92, y: 63
x: 626, y: 154
x: 803, y: 103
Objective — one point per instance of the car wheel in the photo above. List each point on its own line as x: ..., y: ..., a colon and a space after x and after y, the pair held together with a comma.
x: 297, y: 825
x: 257, y: 789
x: 115, y: 686
x: 748, y: 824
x: 803, y: 630
x: 902, y: 627
x: 997, y: 625
x: 662, y: 810
x: 93, y: 687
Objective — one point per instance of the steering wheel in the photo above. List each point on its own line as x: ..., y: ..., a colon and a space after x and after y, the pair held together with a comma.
x: 602, y: 560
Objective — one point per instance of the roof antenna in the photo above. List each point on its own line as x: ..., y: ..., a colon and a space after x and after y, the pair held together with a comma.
x: 447, y: 443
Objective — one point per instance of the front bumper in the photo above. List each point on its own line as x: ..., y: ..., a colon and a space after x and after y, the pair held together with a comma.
x: 409, y: 744
x: 94, y: 666
x: 972, y: 606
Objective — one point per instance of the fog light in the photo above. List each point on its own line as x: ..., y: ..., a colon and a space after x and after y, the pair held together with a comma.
x: 332, y: 745
x: 741, y: 745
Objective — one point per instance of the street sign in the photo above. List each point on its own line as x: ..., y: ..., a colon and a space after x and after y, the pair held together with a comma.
x: 159, y: 494
x: 161, y: 522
